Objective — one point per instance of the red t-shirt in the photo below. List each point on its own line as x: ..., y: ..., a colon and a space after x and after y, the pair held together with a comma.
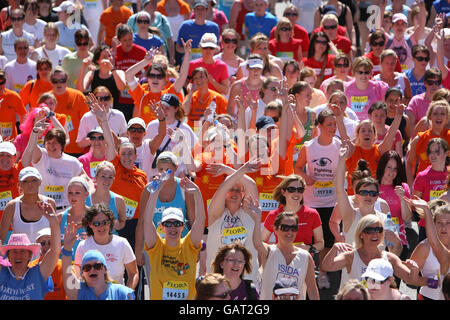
x: 377, y: 63
x: 308, y: 220
x: 218, y: 70
x: 285, y: 50
x: 343, y: 44
x: 317, y: 66
x: 299, y: 33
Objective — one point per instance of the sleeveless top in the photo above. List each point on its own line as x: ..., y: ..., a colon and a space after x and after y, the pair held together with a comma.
x: 31, y: 228
x: 253, y: 93
x: 81, y: 233
x: 430, y: 269
x: 277, y: 268
x: 109, y: 83
x: 177, y: 202
x: 341, y: 19
x: 358, y: 268
x: 350, y: 234
x: 231, y: 70
x: 400, y: 82
x: 111, y: 205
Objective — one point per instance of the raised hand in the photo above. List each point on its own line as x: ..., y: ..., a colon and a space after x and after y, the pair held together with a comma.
x: 187, y: 45
x: 157, y: 110
x: 188, y: 186
x: 251, y: 207
x: 343, y: 152
x: 217, y: 169
x: 96, y: 108
x: 253, y: 165
x: 70, y: 235
x: 176, y: 135
x: 40, y: 126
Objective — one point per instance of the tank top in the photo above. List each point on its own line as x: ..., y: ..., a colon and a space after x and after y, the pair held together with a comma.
x: 108, y: 83
x: 341, y: 19
x: 253, y: 93
x: 177, y: 202
x: 30, y: 228
x: 430, y: 269
x: 111, y: 205
x: 231, y: 70
x: 350, y: 234
x: 400, y: 82
x: 81, y: 233
x: 276, y: 268
x: 358, y: 268
x: 322, y: 163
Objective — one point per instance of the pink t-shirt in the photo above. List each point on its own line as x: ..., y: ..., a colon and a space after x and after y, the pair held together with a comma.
x: 431, y: 183
x: 218, y: 70
x: 403, y: 52
x: 90, y: 163
x: 387, y: 193
x: 418, y: 106
x: 360, y: 101
x: 398, y: 137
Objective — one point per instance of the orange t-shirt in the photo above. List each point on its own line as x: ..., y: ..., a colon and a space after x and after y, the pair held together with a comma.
x: 58, y: 292
x: 421, y: 147
x: 72, y: 103
x: 10, y: 106
x: 141, y: 99
x: 198, y: 109
x: 184, y: 7
x: 129, y: 184
x: 265, y: 184
x: 31, y: 95
x: 110, y: 19
x: 372, y: 156
x: 9, y: 185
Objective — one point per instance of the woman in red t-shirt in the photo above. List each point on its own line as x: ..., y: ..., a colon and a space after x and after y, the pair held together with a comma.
x: 289, y: 194
x: 284, y: 46
x: 318, y: 56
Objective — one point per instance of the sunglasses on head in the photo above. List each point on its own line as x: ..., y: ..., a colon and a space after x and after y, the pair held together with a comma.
x: 287, y: 227
x: 363, y: 72
x: 140, y: 130
x: 285, y: 29
x: 330, y: 27
x: 100, y: 223
x: 105, y: 98
x: 223, y: 295
x: 55, y: 81
x: 99, y: 138
x: 433, y: 82
x: 143, y: 21
x: 371, y: 193
x: 97, y: 266
x: 377, y: 44
x: 422, y: 58
x: 158, y: 76
x: 175, y: 224
x: 294, y: 189
x: 372, y: 230
x: 228, y: 40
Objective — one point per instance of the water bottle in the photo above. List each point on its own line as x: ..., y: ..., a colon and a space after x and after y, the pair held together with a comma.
x: 212, y: 106
x: 389, y: 225
x: 156, y: 184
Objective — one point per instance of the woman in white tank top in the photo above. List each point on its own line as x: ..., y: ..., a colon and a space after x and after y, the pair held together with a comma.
x: 282, y: 260
x: 432, y: 254
x: 368, y: 235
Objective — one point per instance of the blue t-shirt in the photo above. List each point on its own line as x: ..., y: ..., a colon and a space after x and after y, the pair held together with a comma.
x: 114, y: 291
x: 263, y: 24
x: 67, y: 34
x: 417, y: 86
x: 153, y: 42
x: 81, y: 233
x: 32, y: 287
x: 190, y: 30
x: 441, y: 6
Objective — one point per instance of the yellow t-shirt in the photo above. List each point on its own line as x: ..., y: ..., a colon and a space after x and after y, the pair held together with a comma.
x: 173, y: 270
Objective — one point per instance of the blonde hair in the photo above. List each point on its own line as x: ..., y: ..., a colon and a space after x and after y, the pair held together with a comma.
x: 352, y: 284
x: 283, y: 22
x: 438, y: 103
x: 105, y: 165
x: 363, y: 62
x: 362, y: 224
x: 329, y: 16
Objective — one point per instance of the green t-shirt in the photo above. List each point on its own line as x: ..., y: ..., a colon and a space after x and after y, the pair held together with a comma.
x: 72, y: 65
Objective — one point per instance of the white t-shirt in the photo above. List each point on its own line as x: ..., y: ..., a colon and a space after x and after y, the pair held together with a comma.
x: 37, y: 29
x: 307, y: 10
x: 18, y: 74
x: 56, y: 55
x: 3, y: 62
x: 117, y: 254
x: 116, y: 121
x: 56, y: 174
x: 8, y: 39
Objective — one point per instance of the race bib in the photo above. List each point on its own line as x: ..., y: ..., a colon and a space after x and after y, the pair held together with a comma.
x: 175, y: 290
x: 359, y: 103
x: 285, y: 56
x: 232, y: 234
x: 323, y: 188
x: 130, y: 206
x: 396, y: 220
x: 125, y: 93
x: 5, y: 197
x: 90, y: 4
x: 18, y: 87
x: 434, y: 194
x: 160, y: 232
x: 267, y: 203
x: 69, y: 123
x: 6, y: 129
x: 56, y: 193
x: 404, y: 67
x: 92, y: 167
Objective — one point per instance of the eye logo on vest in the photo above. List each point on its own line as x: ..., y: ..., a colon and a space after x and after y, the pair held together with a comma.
x: 322, y: 162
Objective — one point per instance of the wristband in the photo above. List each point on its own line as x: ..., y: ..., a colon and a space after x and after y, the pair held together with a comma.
x: 50, y: 114
x: 35, y: 131
x: 66, y: 253
x: 161, y: 120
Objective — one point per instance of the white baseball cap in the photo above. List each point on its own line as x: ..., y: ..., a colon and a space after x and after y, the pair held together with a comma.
x: 8, y: 147
x: 29, y: 172
x: 136, y: 120
x: 65, y: 6
x: 172, y: 213
x: 209, y: 40
x: 378, y: 269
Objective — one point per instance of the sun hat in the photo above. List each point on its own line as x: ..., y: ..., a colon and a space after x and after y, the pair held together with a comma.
x: 20, y: 241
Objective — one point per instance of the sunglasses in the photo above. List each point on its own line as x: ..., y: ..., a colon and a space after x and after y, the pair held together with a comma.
x: 44, y: 242
x: 330, y: 27
x: 322, y: 41
x: 285, y: 29
x: 223, y: 295
x: 290, y: 14
x: 143, y: 21
x: 371, y: 193
x: 363, y: 72
x: 370, y: 280
x: 341, y: 65
x: 158, y: 76
x: 377, y: 44
x: 140, y: 130
x: 16, y: 19
x: 80, y: 44
x: 273, y: 89
x: 22, y: 48
x: 433, y: 82
x: 97, y: 266
x: 105, y: 98
x: 422, y: 58
x: 63, y: 80
x: 287, y: 227
x: 294, y: 189
x: 175, y: 224
x: 208, y: 48
x: 99, y: 138
x: 228, y: 40
x: 372, y: 230
x: 100, y: 223
x: 235, y: 261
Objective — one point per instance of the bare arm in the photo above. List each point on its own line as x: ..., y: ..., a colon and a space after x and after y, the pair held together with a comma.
x: 184, y: 69
x: 200, y: 216
x: 51, y: 257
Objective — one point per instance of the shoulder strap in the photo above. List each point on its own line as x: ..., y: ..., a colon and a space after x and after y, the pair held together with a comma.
x: 32, y: 84
x: 251, y: 290
x: 389, y: 42
x: 158, y: 151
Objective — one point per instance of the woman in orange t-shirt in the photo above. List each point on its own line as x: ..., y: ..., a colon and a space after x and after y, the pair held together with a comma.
x: 33, y: 89
x: 157, y: 77
x: 438, y: 115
